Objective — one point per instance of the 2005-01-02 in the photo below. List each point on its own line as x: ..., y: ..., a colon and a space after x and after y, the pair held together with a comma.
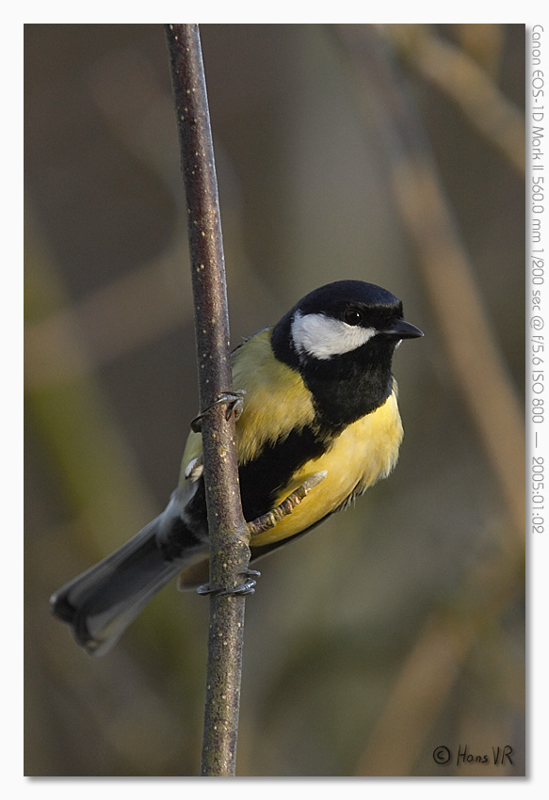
x: 538, y: 483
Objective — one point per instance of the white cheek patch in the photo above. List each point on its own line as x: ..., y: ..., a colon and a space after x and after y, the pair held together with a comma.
x: 323, y: 337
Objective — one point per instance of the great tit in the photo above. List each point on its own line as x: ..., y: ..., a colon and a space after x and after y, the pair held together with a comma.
x: 318, y: 397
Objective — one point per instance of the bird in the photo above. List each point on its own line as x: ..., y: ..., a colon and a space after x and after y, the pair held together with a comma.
x: 317, y: 403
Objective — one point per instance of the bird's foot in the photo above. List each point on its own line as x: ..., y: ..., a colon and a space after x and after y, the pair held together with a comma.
x: 234, y: 402
x: 247, y: 587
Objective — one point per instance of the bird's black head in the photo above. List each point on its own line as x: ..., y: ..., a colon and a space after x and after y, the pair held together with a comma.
x: 341, y: 338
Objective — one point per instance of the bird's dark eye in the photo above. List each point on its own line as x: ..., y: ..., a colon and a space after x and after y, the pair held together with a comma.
x: 352, y: 316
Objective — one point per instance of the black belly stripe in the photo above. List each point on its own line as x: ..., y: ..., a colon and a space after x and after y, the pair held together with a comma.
x: 260, y: 482
x: 263, y: 478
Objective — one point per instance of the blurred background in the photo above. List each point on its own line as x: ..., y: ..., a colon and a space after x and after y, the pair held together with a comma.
x: 390, y: 154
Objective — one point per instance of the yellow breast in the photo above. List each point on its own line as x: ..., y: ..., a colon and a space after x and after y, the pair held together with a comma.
x: 276, y: 402
x: 364, y: 453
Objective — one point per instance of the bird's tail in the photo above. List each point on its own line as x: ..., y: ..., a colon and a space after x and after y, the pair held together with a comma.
x: 100, y: 604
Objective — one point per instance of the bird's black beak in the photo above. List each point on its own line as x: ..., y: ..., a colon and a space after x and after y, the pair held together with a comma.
x: 403, y: 330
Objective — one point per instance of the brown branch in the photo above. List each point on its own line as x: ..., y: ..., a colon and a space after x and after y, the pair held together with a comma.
x: 461, y: 78
x: 481, y: 374
x: 445, y: 267
x: 229, y: 552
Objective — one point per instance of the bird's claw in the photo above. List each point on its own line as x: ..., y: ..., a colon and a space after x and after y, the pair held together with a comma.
x: 248, y: 587
x: 233, y: 400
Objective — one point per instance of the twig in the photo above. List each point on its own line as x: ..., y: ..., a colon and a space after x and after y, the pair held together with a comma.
x: 481, y: 373
x: 435, y: 661
x: 229, y: 533
x: 445, y: 266
x: 229, y: 553
x: 457, y: 74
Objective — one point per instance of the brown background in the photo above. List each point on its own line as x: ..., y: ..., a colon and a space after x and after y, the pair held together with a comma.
x: 398, y: 626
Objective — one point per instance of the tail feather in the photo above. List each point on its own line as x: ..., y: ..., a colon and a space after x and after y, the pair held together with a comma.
x: 101, y: 603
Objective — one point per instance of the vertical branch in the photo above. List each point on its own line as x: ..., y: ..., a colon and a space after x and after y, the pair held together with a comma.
x: 229, y: 553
